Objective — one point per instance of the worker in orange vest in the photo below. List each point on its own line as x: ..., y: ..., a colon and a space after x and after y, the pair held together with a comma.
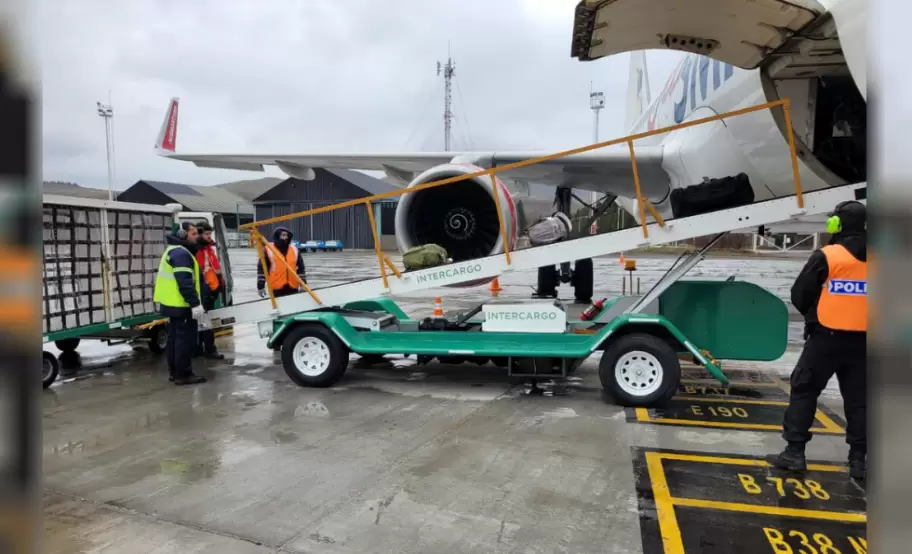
x: 831, y: 294
x: 213, y: 284
x: 282, y: 280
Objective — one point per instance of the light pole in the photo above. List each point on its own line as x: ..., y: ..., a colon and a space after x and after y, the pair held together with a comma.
x: 596, y: 103
x: 107, y: 112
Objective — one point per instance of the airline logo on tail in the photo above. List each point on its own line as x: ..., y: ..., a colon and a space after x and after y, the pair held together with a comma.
x: 168, y: 138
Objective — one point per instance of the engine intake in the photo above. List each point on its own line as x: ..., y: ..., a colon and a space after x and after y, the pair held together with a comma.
x: 461, y: 217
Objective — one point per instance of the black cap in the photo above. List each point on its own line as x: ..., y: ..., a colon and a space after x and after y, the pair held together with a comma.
x: 852, y: 214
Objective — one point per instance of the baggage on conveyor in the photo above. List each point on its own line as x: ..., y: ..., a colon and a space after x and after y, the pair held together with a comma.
x: 424, y: 256
x: 550, y: 230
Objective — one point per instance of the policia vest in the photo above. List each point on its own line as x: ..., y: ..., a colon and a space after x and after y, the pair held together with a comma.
x: 167, y: 293
x: 843, y: 304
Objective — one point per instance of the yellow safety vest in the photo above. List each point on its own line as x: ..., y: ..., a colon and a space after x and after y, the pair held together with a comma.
x: 167, y: 293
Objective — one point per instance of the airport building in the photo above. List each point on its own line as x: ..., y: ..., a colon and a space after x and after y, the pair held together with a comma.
x: 331, y: 186
x: 234, y: 208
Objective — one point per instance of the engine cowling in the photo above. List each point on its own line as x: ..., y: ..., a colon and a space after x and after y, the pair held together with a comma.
x: 461, y: 217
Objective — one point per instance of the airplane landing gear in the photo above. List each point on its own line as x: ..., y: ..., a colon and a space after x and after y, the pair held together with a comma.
x: 581, y: 277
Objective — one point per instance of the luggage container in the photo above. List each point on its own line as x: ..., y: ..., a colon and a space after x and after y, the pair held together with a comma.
x: 99, y: 264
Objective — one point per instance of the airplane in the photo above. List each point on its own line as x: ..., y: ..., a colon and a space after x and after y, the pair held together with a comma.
x: 740, y: 53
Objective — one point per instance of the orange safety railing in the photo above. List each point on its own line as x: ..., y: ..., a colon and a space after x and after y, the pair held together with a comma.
x: 384, y: 261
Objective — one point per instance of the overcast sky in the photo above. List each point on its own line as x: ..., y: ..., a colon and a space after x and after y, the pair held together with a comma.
x: 313, y: 76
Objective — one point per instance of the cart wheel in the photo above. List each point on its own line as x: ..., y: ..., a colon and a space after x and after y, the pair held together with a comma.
x: 582, y: 281
x: 67, y: 345
x: 158, y: 338
x: 499, y: 361
x: 50, y: 368
x: 313, y: 356
x: 640, y: 370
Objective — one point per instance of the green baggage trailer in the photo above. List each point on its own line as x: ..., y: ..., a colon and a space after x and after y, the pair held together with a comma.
x: 705, y: 321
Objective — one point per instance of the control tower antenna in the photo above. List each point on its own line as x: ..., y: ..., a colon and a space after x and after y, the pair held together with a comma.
x: 448, y: 70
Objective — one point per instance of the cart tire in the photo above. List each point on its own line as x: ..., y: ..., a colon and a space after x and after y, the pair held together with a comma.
x: 547, y: 281
x: 158, y: 338
x: 583, y: 281
x: 67, y: 345
x: 50, y: 369
x: 640, y: 370
x: 313, y: 356
x: 499, y: 361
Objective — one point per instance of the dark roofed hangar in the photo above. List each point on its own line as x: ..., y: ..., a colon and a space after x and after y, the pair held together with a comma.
x: 194, y: 198
x: 350, y: 225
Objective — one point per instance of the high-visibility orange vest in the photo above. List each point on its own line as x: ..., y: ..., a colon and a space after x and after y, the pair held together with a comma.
x: 279, y: 274
x: 210, y: 267
x: 843, y: 304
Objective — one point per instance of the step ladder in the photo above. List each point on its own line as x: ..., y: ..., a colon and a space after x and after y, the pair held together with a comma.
x: 658, y: 233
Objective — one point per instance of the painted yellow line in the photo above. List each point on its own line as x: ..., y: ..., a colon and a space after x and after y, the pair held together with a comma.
x: 716, y: 384
x: 733, y: 401
x: 780, y: 383
x: 643, y: 415
x: 828, y: 423
x: 741, y: 461
x: 769, y: 510
x: 668, y: 523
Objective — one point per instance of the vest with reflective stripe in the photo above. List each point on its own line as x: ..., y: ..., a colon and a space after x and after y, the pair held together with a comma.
x: 279, y: 275
x: 167, y: 293
x: 843, y: 304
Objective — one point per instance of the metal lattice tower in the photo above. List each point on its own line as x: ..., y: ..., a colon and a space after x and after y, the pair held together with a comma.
x: 448, y: 70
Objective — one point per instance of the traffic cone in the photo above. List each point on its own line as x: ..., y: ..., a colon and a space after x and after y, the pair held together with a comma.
x: 622, y: 259
x: 495, y: 287
x: 438, y: 308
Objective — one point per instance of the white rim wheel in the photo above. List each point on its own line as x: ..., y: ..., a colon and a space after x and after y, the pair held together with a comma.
x: 161, y: 339
x: 311, y: 356
x: 638, y: 373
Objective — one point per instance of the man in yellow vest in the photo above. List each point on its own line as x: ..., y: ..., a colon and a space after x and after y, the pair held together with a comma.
x: 282, y: 280
x: 831, y: 294
x: 177, y: 292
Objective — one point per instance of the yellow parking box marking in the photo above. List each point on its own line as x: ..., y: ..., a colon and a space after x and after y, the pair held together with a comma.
x: 770, y: 510
x: 738, y: 461
x: 829, y: 426
x: 676, y: 516
x: 730, y: 413
x: 668, y: 524
x: 738, y: 401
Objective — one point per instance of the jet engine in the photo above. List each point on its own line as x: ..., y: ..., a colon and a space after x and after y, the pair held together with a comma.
x: 461, y: 216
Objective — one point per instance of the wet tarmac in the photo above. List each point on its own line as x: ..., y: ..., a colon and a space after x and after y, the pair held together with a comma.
x: 402, y: 458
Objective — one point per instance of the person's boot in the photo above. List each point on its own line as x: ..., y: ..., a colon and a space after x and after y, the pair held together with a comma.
x: 214, y: 355
x: 191, y: 379
x: 792, y: 458
x: 858, y: 466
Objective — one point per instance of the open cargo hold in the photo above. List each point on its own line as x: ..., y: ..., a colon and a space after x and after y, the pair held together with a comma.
x: 99, y: 264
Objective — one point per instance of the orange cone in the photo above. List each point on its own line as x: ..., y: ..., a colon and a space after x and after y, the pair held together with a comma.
x: 495, y: 287
x: 438, y: 308
x: 622, y: 259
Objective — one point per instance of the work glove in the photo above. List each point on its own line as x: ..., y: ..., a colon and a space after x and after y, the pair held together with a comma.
x: 197, y: 312
x: 262, y: 293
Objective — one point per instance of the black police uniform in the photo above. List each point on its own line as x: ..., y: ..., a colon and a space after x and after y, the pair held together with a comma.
x: 827, y: 352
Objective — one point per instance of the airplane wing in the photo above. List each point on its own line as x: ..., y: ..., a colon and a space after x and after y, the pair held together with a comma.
x: 607, y: 170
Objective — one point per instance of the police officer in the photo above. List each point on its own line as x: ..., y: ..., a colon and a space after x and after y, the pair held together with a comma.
x: 830, y: 292
x: 177, y: 291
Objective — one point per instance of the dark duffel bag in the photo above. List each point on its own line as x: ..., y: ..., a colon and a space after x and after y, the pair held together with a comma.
x: 712, y: 195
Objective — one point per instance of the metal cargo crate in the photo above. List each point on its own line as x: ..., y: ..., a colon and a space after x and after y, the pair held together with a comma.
x: 99, y: 260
